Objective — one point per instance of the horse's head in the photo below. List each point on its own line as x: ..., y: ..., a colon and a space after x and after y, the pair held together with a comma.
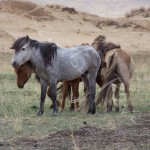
x: 23, y: 74
x: 23, y: 51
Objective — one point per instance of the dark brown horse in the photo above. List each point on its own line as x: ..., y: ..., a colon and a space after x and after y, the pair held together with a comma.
x: 24, y: 73
x: 117, y: 67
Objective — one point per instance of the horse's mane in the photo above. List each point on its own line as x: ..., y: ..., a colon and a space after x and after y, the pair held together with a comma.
x: 104, y: 46
x: 48, y: 52
x: 18, y: 43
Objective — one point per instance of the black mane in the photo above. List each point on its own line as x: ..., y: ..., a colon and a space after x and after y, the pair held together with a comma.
x: 18, y: 43
x: 48, y: 52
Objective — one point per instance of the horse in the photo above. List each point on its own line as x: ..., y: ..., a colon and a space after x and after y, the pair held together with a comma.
x: 25, y: 71
x: 23, y: 74
x: 54, y: 64
x: 117, y: 67
x: 67, y: 85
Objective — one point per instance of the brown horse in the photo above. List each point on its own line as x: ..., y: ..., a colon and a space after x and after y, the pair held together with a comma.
x: 117, y: 67
x: 24, y: 73
x: 67, y: 85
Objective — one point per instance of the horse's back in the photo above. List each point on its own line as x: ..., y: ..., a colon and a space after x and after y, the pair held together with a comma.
x: 124, y: 62
x: 73, y: 62
x: 127, y: 59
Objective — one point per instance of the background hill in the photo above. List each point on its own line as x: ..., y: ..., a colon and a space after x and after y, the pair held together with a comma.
x: 105, y: 8
x: 68, y: 27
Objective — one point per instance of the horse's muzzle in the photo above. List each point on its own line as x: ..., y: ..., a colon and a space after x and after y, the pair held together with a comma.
x: 15, y: 64
x: 20, y: 86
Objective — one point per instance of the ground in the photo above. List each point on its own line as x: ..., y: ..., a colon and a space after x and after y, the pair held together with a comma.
x: 133, y: 136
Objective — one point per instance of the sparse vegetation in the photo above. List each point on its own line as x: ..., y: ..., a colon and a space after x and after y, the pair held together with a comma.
x: 138, y: 12
x: 107, y: 22
x: 18, y: 109
x: 120, y: 24
x: 69, y: 10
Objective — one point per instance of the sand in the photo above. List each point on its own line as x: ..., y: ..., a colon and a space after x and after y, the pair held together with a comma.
x: 50, y: 23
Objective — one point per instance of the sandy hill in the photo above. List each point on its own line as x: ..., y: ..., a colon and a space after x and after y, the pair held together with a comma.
x: 66, y: 26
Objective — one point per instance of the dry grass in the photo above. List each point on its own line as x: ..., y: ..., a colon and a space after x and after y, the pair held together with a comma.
x: 138, y: 12
x: 107, y: 22
x: 18, y: 116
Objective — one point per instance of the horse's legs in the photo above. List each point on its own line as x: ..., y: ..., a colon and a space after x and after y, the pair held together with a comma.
x: 127, y: 92
x: 75, y: 90
x: 86, y: 91
x: 116, y: 101
x: 108, y: 102
x: 125, y: 80
x: 48, y: 93
x: 109, y: 99
x: 53, y: 95
x: 43, y: 96
x: 92, y: 91
x: 65, y: 90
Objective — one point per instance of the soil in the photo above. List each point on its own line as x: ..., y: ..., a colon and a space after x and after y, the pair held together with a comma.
x: 132, y: 137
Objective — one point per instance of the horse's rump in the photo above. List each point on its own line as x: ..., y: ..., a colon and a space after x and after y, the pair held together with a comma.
x: 118, y: 65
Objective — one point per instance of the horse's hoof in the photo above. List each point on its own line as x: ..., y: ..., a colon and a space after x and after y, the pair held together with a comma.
x: 55, y: 113
x: 130, y: 108
x: 117, y: 109
x: 39, y: 113
x: 72, y: 109
x: 106, y: 111
x: 91, y: 112
x: 61, y: 110
x: 109, y: 108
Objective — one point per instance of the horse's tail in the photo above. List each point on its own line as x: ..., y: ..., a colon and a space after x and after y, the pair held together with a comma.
x: 109, y: 79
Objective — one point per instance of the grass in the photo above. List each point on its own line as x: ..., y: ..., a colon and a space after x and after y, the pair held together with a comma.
x: 18, y: 107
x: 142, y: 11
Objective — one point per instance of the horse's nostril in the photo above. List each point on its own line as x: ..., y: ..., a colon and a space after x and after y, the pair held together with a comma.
x: 14, y: 64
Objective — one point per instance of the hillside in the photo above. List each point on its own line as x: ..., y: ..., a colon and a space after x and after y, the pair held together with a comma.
x: 67, y: 26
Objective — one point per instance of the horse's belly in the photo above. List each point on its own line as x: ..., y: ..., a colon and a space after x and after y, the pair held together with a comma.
x: 66, y: 76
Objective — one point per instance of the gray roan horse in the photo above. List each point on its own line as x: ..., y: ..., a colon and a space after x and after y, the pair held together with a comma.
x: 54, y: 64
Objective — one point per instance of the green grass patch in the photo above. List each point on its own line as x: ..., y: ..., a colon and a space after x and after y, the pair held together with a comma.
x: 18, y: 107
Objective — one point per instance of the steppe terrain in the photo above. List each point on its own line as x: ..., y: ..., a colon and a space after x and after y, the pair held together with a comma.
x: 20, y: 128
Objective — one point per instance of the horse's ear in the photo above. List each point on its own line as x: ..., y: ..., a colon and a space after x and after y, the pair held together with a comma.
x: 27, y: 38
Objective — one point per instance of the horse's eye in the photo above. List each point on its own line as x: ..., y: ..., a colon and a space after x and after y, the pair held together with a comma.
x: 23, y: 49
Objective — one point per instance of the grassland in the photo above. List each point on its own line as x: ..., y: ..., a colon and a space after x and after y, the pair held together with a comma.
x: 18, y: 107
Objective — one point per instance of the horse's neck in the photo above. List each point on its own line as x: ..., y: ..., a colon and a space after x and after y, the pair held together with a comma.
x: 36, y: 58
x: 33, y: 68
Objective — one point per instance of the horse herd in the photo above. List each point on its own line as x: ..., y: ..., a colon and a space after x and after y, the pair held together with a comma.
x: 103, y: 63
